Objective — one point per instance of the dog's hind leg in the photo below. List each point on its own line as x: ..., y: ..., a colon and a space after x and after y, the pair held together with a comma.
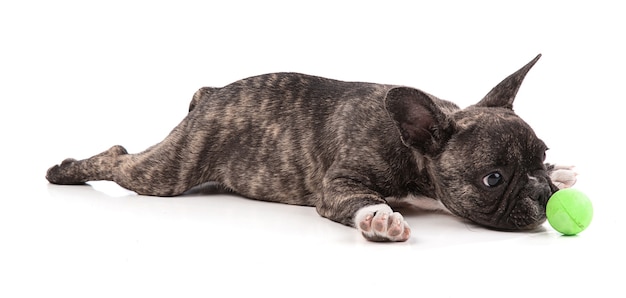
x: 98, y: 167
x: 166, y: 169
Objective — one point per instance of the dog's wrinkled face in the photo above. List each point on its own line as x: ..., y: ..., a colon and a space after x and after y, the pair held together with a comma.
x: 488, y: 163
x: 492, y: 171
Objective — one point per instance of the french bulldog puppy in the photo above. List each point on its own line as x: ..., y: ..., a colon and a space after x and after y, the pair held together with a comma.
x: 353, y: 150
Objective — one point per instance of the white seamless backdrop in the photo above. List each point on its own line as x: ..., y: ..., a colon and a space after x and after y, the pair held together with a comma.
x: 77, y: 77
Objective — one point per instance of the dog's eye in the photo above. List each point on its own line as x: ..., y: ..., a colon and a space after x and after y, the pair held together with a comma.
x: 493, y: 179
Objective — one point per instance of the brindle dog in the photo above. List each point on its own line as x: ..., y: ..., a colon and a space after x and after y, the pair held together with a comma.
x: 350, y: 149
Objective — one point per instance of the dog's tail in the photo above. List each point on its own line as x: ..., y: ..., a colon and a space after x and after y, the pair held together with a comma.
x: 201, y: 94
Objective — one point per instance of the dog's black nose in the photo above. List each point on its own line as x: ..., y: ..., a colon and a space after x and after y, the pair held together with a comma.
x: 541, y: 189
x: 542, y: 194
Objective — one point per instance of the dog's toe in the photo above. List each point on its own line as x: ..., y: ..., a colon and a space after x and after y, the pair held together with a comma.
x: 67, y: 161
x: 366, y: 223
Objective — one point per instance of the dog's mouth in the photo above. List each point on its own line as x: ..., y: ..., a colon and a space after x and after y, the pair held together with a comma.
x: 529, y: 211
x: 525, y: 212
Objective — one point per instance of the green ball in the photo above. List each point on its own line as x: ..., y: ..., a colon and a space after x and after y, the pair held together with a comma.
x: 569, y: 211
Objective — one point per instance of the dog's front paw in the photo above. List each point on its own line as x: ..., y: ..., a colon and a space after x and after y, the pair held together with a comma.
x: 563, y: 176
x: 379, y: 223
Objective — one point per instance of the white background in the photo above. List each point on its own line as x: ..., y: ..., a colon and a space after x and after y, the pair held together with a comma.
x: 77, y: 77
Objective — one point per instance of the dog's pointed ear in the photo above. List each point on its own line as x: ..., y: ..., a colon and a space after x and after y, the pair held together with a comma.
x: 503, y: 94
x: 422, y: 124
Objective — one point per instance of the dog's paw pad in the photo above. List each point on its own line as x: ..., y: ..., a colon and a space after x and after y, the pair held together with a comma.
x: 379, y: 223
x: 563, y: 176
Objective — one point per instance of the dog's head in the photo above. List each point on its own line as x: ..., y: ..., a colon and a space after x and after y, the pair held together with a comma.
x: 487, y: 163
